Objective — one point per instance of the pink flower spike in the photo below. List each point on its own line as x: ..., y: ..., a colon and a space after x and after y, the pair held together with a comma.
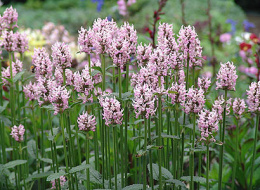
x: 87, y: 122
x: 18, y: 133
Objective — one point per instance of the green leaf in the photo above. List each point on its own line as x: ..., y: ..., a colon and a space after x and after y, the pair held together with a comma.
x: 170, y: 137
x: 139, y: 137
x: 14, y: 163
x: 41, y: 175
x: 172, y: 92
x: 119, y: 178
x: 133, y: 187
x: 57, y: 147
x: 79, y: 168
x: 195, y: 179
x: 54, y: 176
x: 6, y: 121
x: 111, y: 66
x: 46, y: 160
x: 2, y: 108
x: 48, y: 107
x: 18, y: 76
x: 95, y: 176
x: 31, y: 148
x: 138, y: 121
x: 177, y: 183
x: 165, y: 173
x: 98, y: 69
x: 55, y: 132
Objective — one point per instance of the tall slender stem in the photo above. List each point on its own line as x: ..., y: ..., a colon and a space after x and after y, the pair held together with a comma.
x: 207, y: 177
x: 222, y: 147
x: 150, y: 154
x: 160, y: 137
x: 236, y: 155
x: 192, y: 151
x: 254, y: 152
x: 145, y: 149
x: 115, y: 154
x: 87, y: 161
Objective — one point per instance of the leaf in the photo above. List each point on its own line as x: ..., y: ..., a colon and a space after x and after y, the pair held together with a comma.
x: 119, y: 178
x: 126, y: 95
x: 133, y: 187
x: 18, y: 76
x: 2, y: 108
x: 55, y: 132
x: 98, y: 69
x: 165, y: 173
x: 41, y: 175
x: 170, y: 137
x: 172, y: 92
x: 14, y: 163
x: 55, y: 176
x: 79, y: 168
x: 46, y: 160
x: 139, y: 137
x: 31, y: 148
x: 6, y: 121
x: 95, y: 176
x: 195, y: 179
x: 48, y: 107
x: 138, y: 121
x: 177, y: 183
x: 57, y: 147
x: 110, y: 66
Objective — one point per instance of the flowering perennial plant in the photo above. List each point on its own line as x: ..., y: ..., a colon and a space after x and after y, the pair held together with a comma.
x: 87, y: 122
x: 18, y: 133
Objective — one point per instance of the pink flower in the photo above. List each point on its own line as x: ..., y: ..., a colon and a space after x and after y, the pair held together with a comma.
x: 9, y: 41
x: 84, y: 41
x: 87, y: 122
x: 42, y: 63
x: 219, y: 106
x: 31, y: 91
x: 195, y: 100
x: 18, y: 132
x: 208, y: 123
x: 62, y: 182
x: 159, y: 61
x: 112, y: 113
x: 59, y: 97
x: 22, y: 42
x: 253, y: 97
x: 190, y: 46
x: 10, y: 18
x: 204, y: 83
x: 17, y: 67
x: 224, y: 38
x: 239, y: 107
x: 143, y: 54
x: 177, y: 93
x: 226, y: 77
x: 122, y: 7
x: 61, y: 55
x: 143, y: 102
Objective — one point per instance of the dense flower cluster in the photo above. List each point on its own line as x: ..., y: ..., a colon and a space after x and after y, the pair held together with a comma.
x: 42, y: 63
x: 87, y: 122
x: 143, y: 54
x: 253, y: 97
x: 17, y: 67
x: 61, y: 55
x: 112, y: 113
x: 62, y: 182
x: 226, y: 77
x: 10, y: 18
x: 239, y: 107
x: 208, y: 123
x: 22, y: 42
x: 189, y: 44
x: 31, y: 91
x: 219, y: 106
x: 18, y: 132
x: 177, y: 93
x: 59, y: 97
x: 204, y: 83
x: 9, y: 40
x: 195, y: 100
x: 84, y: 41
x: 144, y: 101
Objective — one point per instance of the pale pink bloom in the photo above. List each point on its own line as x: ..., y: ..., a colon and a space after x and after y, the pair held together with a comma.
x: 18, y: 133
x: 143, y: 54
x: 239, y: 107
x: 17, y: 67
x: 224, y: 38
x: 219, y: 106
x: 204, y: 83
x: 85, y: 41
x: 195, y: 100
x: 86, y: 122
x: 10, y: 18
x: 61, y: 55
x: 22, y: 42
x: 253, y: 97
x: 62, y: 182
x: 9, y: 41
x: 177, y: 93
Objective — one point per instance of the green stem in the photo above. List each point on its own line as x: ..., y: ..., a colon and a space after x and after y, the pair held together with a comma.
x: 150, y: 154
x: 199, y: 166
x: 192, y: 151
x: 87, y: 161
x: 115, y: 155
x: 160, y: 137
x: 254, y: 152
x: 145, y: 149
x: 236, y: 156
x: 207, y: 177
x: 222, y: 147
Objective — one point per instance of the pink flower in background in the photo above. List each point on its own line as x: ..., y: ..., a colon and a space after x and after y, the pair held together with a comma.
x: 10, y: 18
x: 9, y: 41
x: 112, y: 113
x: 226, y: 77
x: 144, y: 101
x: 143, y: 54
x: 177, y: 93
x: 208, y: 123
x: 204, y: 83
x: 61, y: 55
x: 84, y: 41
x: 17, y: 67
x: 253, y: 97
x: 224, y: 38
x: 219, y: 105
x: 18, y: 132
x: 42, y: 63
x: 62, y: 182
x: 22, y: 42
x: 239, y: 107
x: 195, y: 100
x: 86, y: 122
x: 122, y: 6
x: 59, y: 97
